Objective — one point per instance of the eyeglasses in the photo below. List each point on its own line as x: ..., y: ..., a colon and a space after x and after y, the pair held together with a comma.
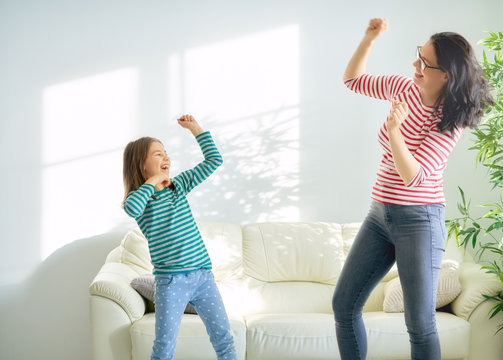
x: 423, y: 64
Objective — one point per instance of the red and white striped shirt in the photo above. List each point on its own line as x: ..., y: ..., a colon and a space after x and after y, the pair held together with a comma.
x: 430, y: 147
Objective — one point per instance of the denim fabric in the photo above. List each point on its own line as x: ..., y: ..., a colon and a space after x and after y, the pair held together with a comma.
x: 172, y: 293
x: 413, y: 236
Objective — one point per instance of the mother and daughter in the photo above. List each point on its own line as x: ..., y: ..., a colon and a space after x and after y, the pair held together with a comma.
x: 405, y: 224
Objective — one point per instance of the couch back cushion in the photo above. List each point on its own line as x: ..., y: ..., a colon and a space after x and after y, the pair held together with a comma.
x: 274, y: 252
x: 294, y: 267
x: 132, y: 251
x: 287, y: 297
x: 223, y: 242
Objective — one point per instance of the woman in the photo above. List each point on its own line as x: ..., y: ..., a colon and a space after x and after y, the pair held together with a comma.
x: 406, y: 219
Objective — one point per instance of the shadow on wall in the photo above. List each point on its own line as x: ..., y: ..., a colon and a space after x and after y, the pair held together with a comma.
x: 259, y: 179
x: 56, y: 294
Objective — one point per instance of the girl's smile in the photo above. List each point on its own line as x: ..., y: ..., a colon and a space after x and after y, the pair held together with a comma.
x: 157, y: 161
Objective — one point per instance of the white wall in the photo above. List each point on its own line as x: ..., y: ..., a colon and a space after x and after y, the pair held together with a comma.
x: 81, y: 78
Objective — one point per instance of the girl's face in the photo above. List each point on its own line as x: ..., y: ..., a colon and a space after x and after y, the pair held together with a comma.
x: 157, y: 161
x: 428, y: 76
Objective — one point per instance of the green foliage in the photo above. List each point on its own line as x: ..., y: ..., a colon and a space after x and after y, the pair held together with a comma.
x: 486, y: 230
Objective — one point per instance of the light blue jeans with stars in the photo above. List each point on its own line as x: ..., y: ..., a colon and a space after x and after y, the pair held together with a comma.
x: 172, y: 293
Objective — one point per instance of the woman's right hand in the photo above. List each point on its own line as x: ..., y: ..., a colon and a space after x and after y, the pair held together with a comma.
x: 376, y: 27
x: 160, y: 181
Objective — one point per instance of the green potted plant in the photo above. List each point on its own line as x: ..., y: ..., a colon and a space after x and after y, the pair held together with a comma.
x: 485, y: 232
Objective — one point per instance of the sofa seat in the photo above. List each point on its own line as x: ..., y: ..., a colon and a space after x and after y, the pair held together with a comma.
x: 291, y: 336
x: 312, y: 336
x: 388, y: 337
x: 193, y: 342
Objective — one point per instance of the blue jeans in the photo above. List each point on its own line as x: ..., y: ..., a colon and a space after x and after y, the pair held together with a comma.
x: 413, y: 236
x: 172, y: 293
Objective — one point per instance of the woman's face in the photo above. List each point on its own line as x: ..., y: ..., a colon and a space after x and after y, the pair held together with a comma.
x: 157, y: 161
x: 429, y: 78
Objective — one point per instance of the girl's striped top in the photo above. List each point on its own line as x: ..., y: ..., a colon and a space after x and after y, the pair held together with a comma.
x: 427, y: 144
x: 166, y: 220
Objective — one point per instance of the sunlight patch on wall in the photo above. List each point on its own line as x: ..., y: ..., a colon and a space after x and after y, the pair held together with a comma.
x: 246, y: 91
x: 244, y: 76
x: 86, y: 124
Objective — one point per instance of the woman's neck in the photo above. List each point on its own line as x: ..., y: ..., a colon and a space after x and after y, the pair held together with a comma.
x: 429, y: 99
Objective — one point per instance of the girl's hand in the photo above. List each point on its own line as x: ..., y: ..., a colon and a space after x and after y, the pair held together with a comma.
x: 188, y: 122
x: 376, y: 27
x: 160, y: 181
x: 398, y: 113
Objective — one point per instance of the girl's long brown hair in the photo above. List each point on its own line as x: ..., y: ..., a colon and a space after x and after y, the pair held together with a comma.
x: 135, y: 154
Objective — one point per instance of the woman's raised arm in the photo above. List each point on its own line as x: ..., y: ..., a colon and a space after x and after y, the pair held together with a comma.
x: 358, y: 63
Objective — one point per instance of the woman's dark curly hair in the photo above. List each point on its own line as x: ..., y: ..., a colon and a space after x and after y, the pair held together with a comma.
x: 466, y: 94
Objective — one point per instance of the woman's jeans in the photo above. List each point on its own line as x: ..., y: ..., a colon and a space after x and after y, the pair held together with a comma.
x: 172, y: 293
x: 413, y: 236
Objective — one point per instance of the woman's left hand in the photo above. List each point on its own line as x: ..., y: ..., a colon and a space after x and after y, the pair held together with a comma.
x: 398, y: 113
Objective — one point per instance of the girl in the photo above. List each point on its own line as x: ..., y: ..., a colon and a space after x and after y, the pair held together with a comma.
x: 406, y: 219
x: 182, y: 267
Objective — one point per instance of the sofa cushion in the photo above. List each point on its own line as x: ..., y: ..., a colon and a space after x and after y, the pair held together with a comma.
x: 225, y: 247
x: 312, y: 336
x: 291, y: 336
x: 288, y: 297
x: 193, y: 342
x: 449, y: 288
x: 388, y: 337
x: 293, y: 252
x: 133, y: 251
x: 145, y: 285
x: 222, y: 240
x: 349, y: 232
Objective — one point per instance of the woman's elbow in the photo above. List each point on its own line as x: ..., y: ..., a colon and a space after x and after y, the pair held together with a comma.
x: 415, y: 180
x: 346, y: 77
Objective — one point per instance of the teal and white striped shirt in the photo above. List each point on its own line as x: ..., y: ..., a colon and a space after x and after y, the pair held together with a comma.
x: 166, y: 220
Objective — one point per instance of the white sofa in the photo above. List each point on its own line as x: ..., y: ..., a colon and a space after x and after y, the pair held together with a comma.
x: 277, y: 281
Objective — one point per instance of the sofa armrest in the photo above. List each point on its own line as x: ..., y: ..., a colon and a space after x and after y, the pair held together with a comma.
x: 474, y: 282
x: 485, y: 343
x: 114, y: 282
x: 110, y: 338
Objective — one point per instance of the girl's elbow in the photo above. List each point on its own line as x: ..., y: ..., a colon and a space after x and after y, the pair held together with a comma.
x: 131, y: 211
x: 217, y: 160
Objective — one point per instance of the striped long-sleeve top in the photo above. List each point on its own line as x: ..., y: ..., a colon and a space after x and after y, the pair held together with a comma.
x: 427, y: 144
x: 166, y: 220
